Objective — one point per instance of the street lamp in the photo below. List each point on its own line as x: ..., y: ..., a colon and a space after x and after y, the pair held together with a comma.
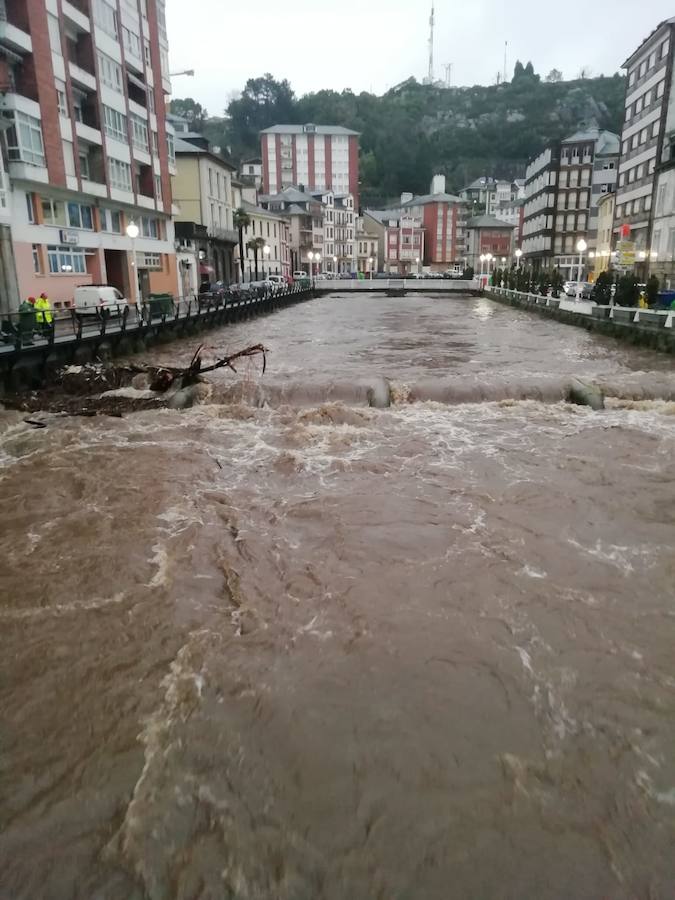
x: 133, y: 232
x: 370, y: 267
x: 310, y: 257
x: 317, y: 256
x: 482, y: 264
x: 417, y: 263
x: 582, y: 246
x: 335, y: 266
x: 189, y: 72
x: 488, y: 259
x: 519, y: 254
x: 266, y: 256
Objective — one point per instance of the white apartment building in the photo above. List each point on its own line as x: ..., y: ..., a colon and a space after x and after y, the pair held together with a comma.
x: 541, y: 182
x: 649, y: 92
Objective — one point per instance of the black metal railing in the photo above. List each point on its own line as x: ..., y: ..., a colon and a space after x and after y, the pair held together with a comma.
x: 37, y: 328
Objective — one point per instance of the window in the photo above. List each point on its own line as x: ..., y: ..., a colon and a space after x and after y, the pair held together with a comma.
x: 211, y: 184
x: 150, y: 227
x: 158, y: 187
x: 30, y: 208
x: 151, y: 100
x: 660, y: 88
x: 83, y: 158
x: 634, y: 141
x: 608, y: 166
x: 139, y: 132
x: 105, y: 16
x: 146, y: 48
x: 665, y: 46
x: 61, y: 103
x: 638, y: 105
x: 111, y: 220
x: 640, y: 171
x: 644, y: 135
x: 631, y: 79
x: 624, y: 147
x: 652, y: 60
x: 131, y: 41
x: 80, y: 216
x: 120, y: 174
x: 66, y: 260
x: 109, y: 72
x: 604, y: 189
x: 24, y: 140
x: 115, y: 124
x: 651, y: 166
x: 53, y: 212
x: 155, y: 142
x: 37, y: 268
x: 656, y: 127
x: 648, y: 202
x: 171, y: 148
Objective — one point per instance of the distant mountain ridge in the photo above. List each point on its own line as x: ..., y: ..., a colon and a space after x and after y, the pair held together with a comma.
x: 414, y: 131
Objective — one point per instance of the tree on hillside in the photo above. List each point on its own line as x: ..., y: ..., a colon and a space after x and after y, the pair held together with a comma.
x: 555, y: 76
x: 585, y: 72
x: 518, y: 71
x: 189, y: 109
x: 263, y: 102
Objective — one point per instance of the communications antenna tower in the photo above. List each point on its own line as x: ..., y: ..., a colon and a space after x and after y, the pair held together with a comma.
x: 431, y: 45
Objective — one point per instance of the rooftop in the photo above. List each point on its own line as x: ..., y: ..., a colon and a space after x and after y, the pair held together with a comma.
x: 649, y: 37
x: 432, y: 198
x: 606, y: 142
x: 302, y: 129
x: 488, y: 222
x: 197, y: 145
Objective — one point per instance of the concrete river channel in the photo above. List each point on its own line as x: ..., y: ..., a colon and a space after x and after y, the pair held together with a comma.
x: 286, y: 645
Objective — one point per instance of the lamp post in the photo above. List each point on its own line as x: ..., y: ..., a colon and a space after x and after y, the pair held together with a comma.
x: 488, y: 259
x: 519, y: 254
x: 581, y: 249
x: 417, y: 263
x: 335, y: 266
x: 370, y: 267
x: 317, y: 256
x: 266, y: 256
x: 310, y: 257
x: 132, y: 232
x: 482, y: 266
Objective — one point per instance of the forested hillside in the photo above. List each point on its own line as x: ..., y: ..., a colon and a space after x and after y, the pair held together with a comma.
x: 415, y: 130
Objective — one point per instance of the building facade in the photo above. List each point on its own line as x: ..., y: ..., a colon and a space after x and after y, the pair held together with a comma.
x: 89, y: 148
x: 541, y: 188
x: 649, y: 92
x: 204, y: 221
x: 662, y: 246
x: 444, y: 217
x: 367, y: 247
x: 487, y: 234
x: 319, y: 157
x: 271, y: 231
x: 587, y: 171
x: 604, y: 242
x: 403, y: 245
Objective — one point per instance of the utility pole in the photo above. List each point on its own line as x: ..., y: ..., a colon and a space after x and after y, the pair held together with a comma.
x: 9, y: 283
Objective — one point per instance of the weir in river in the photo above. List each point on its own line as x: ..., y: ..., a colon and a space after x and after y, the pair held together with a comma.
x: 286, y: 644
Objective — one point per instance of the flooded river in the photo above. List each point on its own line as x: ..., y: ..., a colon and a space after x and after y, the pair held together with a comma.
x: 285, y: 646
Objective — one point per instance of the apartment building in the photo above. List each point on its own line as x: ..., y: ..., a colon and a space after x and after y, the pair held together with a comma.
x: 323, y: 157
x: 512, y: 212
x: 89, y: 149
x: 271, y: 231
x: 444, y: 217
x: 322, y: 222
x: 649, y: 93
x: 603, y: 245
x: 488, y: 234
x: 404, y: 240
x: 367, y: 247
x: 204, y: 214
x: 587, y: 171
x: 541, y: 186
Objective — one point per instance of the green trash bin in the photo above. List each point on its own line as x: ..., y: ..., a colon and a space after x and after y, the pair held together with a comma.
x: 27, y: 322
x: 160, y: 305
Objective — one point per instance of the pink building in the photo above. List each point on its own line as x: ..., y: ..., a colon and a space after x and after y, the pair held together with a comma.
x: 403, y: 245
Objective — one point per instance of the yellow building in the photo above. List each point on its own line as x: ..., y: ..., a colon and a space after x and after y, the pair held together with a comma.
x: 603, y: 250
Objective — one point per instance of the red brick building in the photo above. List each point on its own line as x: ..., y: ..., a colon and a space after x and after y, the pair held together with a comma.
x: 487, y: 234
x: 444, y: 219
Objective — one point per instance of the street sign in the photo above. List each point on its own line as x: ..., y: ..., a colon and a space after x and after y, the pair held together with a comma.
x: 626, y: 253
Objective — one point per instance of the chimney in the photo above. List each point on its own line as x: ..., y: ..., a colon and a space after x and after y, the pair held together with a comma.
x: 438, y: 184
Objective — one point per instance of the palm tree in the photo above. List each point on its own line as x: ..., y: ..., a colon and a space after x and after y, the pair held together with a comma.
x: 256, y: 245
x: 241, y: 221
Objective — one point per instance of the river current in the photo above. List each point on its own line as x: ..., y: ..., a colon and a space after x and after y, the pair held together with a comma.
x: 286, y: 646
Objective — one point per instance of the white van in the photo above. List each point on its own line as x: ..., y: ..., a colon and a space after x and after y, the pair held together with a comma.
x: 98, y: 299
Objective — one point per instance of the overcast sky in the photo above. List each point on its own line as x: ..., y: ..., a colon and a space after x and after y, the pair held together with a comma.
x: 373, y: 44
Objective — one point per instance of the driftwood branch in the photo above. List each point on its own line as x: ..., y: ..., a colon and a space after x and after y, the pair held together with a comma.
x: 166, y: 375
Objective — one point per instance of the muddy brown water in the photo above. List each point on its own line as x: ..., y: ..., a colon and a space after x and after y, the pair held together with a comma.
x: 283, y: 645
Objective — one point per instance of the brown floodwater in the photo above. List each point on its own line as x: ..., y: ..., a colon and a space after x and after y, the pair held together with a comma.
x: 285, y: 646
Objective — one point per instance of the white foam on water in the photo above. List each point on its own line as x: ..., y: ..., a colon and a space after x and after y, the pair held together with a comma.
x: 532, y: 573
x: 61, y: 608
x: 161, y: 560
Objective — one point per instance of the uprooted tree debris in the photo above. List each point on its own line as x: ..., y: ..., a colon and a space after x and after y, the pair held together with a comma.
x: 110, y: 390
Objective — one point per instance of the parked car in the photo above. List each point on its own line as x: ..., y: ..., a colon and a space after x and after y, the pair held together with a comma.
x: 570, y: 288
x: 99, y: 300
x: 299, y: 275
x: 276, y: 279
x: 583, y: 290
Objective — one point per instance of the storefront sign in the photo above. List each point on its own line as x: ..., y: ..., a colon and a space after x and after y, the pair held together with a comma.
x: 69, y: 237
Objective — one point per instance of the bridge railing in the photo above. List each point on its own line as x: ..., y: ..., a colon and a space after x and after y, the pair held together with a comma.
x: 420, y: 285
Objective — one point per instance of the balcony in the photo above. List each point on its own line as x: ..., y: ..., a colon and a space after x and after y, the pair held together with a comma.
x: 14, y: 39
x: 81, y: 77
x: 95, y: 188
x: 88, y: 134
x: 76, y: 17
x: 223, y: 234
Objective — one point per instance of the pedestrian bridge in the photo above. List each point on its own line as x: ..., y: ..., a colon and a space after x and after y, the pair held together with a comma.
x: 398, y: 285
